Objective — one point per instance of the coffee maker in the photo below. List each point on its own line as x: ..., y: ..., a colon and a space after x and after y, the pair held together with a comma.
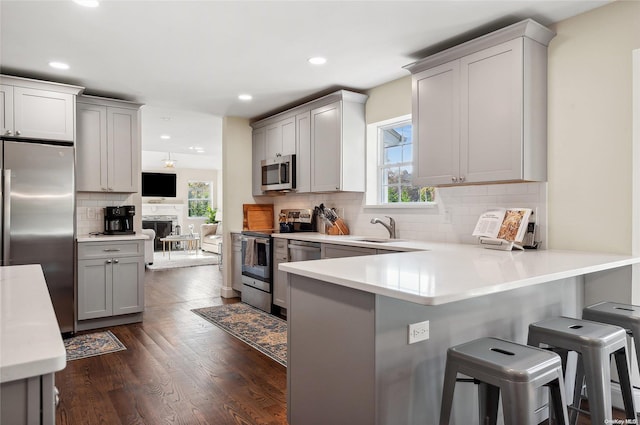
x: 119, y: 220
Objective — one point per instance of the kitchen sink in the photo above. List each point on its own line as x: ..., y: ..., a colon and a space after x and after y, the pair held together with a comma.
x: 379, y: 240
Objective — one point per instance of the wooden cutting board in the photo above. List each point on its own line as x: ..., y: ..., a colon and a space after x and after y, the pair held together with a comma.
x: 257, y: 216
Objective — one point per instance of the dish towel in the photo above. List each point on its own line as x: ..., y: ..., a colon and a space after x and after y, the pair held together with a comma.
x: 250, y: 252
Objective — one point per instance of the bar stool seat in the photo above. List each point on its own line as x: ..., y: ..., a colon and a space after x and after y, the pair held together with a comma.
x: 595, y: 343
x: 515, y: 369
x: 626, y: 316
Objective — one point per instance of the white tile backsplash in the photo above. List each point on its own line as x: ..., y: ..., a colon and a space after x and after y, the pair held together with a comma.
x: 464, y: 205
x: 90, y: 209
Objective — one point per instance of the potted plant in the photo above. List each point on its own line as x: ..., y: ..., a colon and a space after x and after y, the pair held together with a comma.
x: 211, y: 214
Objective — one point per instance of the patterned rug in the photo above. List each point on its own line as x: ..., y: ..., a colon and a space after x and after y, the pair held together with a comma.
x: 93, y: 344
x: 260, y: 330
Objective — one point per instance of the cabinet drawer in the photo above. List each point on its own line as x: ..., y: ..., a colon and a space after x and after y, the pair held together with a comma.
x: 90, y: 250
x: 281, y: 251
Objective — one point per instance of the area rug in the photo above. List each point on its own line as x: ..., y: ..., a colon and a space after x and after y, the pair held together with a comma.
x: 260, y: 330
x: 93, y: 344
x: 181, y: 259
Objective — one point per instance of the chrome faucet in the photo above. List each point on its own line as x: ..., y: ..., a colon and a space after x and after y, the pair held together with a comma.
x: 391, y: 227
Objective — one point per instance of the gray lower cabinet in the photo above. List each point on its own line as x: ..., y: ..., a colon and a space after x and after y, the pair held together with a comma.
x: 28, y: 401
x: 280, y: 285
x: 110, y: 282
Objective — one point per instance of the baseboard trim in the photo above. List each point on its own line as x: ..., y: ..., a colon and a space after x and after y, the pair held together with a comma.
x: 616, y: 397
x: 229, y: 293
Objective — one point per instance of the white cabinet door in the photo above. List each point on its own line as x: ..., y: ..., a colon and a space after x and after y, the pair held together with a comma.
x: 6, y: 110
x: 91, y: 148
x: 107, y: 149
x: 42, y: 114
x: 303, y: 149
x: 280, y: 283
x: 436, y: 125
x: 491, y: 145
x: 281, y: 138
x: 122, y: 151
x: 326, y: 152
x: 128, y: 285
x: 95, y: 279
x: 259, y: 142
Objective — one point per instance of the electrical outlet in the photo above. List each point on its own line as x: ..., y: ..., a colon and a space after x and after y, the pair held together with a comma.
x: 91, y: 213
x: 447, y: 216
x: 418, y: 332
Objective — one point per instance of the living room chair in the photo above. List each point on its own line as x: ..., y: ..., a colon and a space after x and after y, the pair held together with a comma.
x: 211, y: 237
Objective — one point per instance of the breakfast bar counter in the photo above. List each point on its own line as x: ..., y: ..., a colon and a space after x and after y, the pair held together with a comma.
x: 31, y: 347
x: 350, y: 359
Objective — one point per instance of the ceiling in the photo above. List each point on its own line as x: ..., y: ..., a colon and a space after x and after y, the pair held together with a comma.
x: 189, y: 60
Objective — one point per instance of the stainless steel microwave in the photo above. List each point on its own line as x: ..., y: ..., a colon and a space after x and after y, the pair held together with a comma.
x: 279, y: 173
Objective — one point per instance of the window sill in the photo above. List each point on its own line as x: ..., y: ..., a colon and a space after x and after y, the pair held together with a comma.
x: 402, y: 206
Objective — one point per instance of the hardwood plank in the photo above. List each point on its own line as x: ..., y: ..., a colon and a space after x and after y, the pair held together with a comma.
x: 178, y: 368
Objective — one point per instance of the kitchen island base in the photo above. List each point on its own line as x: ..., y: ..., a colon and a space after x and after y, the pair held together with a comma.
x: 350, y: 361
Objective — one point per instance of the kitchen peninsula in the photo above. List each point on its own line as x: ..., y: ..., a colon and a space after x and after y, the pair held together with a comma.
x: 350, y: 360
x: 31, y: 347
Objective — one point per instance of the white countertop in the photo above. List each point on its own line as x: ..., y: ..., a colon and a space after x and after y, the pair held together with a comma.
x: 355, y: 240
x: 30, y: 340
x: 444, y: 273
x: 111, y: 238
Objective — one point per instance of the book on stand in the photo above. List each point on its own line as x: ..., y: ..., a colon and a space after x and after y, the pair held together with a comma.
x: 503, y: 228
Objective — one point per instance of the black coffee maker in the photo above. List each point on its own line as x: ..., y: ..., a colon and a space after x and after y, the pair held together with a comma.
x: 119, y: 220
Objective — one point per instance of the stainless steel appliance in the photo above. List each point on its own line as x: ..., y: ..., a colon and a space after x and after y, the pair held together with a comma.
x: 297, y: 220
x: 279, y: 173
x: 303, y: 251
x: 256, y: 269
x: 37, y: 216
x: 119, y: 220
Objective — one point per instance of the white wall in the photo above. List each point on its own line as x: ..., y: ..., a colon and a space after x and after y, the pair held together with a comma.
x: 590, y: 129
x: 183, y: 177
x: 236, y: 185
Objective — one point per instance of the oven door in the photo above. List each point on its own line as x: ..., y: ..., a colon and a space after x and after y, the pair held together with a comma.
x: 256, y: 257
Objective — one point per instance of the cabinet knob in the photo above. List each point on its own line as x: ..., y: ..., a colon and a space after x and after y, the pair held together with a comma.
x: 108, y: 261
x: 8, y: 132
x: 104, y: 189
x: 116, y: 261
x: 18, y: 133
x: 461, y: 179
x: 454, y: 180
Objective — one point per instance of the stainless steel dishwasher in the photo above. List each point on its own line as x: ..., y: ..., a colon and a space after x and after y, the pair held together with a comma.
x: 303, y: 251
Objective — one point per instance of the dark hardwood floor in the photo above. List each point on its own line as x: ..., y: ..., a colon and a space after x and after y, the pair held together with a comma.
x: 177, y: 368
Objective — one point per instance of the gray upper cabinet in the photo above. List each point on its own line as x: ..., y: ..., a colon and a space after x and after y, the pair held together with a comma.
x: 34, y: 109
x: 281, y: 138
x: 108, y: 145
x: 479, y: 109
x: 327, y: 136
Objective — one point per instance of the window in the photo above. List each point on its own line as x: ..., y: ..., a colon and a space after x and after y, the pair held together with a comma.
x: 395, y: 166
x: 198, y: 199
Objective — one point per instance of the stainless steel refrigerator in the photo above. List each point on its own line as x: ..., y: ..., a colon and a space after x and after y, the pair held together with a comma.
x: 37, y: 216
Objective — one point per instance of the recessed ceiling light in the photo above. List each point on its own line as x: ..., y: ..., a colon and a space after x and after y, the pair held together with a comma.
x: 245, y: 97
x: 58, y: 65
x: 165, y: 137
x: 165, y: 118
x: 317, y: 60
x: 87, y: 3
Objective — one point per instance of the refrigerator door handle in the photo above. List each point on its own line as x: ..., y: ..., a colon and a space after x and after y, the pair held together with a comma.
x: 6, y: 217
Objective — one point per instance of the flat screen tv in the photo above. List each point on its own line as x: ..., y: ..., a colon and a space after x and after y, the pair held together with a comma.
x: 161, y: 185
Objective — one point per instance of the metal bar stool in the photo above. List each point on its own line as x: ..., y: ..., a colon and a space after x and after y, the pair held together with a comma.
x: 595, y: 343
x: 624, y: 315
x: 515, y: 369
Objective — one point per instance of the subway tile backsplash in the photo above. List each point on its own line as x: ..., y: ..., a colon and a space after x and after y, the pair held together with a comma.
x: 90, y: 209
x: 451, y: 219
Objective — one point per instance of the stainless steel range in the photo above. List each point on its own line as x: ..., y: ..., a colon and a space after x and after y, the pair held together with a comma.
x: 256, y: 269
x: 257, y: 256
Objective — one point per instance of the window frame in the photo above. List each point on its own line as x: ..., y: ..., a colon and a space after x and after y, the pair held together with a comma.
x: 375, y: 151
x: 189, y: 199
